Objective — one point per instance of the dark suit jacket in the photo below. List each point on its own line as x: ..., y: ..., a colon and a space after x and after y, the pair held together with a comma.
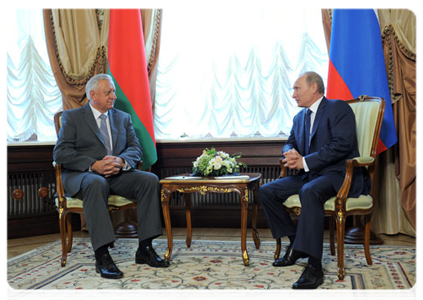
x: 79, y: 144
x: 333, y: 140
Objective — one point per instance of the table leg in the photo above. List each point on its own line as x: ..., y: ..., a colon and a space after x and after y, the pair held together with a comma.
x: 187, y: 199
x: 244, y: 214
x: 166, y: 215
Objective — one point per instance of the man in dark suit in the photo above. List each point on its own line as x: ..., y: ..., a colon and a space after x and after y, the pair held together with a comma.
x: 322, y: 138
x: 99, y: 152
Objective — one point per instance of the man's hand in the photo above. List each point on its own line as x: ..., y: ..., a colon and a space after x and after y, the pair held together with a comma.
x: 108, y: 166
x: 293, y: 160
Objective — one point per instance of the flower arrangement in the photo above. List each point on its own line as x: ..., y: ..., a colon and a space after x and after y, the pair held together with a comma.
x: 216, y: 163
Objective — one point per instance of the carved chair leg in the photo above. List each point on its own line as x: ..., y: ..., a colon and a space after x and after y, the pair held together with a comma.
x: 332, y: 235
x: 69, y: 231
x: 340, y: 237
x: 255, y: 233
x: 278, y: 248
x: 63, y: 238
x: 367, y: 220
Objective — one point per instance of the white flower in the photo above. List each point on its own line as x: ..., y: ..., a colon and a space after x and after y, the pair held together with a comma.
x: 223, y: 154
x: 209, y: 170
x: 212, y: 162
x: 217, y: 166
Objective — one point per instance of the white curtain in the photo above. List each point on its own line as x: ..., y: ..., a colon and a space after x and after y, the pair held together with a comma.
x: 32, y: 94
x: 229, y: 73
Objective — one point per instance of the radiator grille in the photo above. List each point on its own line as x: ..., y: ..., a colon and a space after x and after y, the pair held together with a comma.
x: 31, y: 203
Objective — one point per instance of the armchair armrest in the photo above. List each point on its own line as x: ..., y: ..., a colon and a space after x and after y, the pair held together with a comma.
x: 60, y: 191
x: 362, y: 161
x: 283, y: 169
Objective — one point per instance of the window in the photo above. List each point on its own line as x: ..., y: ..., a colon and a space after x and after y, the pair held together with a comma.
x: 229, y: 73
x: 222, y: 73
x: 32, y: 94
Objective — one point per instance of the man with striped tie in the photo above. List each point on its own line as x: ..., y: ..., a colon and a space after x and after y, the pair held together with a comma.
x: 99, y: 152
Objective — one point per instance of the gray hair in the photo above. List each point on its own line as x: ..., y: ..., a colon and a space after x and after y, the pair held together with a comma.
x: 93, y: 83
x: 313, y: 77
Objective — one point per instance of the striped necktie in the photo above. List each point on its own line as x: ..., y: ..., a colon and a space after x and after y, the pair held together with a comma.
x: 105, y: 134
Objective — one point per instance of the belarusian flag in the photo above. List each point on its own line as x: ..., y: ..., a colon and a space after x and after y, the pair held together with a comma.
x: 127, y: 65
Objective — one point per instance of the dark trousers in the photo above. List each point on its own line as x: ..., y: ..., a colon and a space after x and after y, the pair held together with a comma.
x: 313, y: 192
x: 140, y: 186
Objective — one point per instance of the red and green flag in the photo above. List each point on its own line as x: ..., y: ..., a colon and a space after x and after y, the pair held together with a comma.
x: 128, y: 67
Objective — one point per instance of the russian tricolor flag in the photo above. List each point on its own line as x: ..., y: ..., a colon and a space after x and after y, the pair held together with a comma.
x: 357, y: 65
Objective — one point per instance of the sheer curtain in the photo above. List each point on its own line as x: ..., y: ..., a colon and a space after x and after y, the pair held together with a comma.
x: 32, y: 94
x: 229, y: 73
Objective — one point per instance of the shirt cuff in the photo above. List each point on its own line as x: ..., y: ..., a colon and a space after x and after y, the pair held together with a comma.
x: 305, y: 165
x: 126, y: 166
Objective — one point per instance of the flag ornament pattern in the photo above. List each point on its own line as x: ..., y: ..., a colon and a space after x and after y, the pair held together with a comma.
x: 357, y: 65
x: 128, y: 67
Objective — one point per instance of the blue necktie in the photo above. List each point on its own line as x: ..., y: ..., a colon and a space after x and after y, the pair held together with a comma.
x: 105, y: 134
x: 307, y: 131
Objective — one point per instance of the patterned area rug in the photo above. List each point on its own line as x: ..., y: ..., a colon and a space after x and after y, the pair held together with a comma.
x: 207, y: 265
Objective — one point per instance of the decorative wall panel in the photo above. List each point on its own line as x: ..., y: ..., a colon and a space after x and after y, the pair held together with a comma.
x: 31, y: 184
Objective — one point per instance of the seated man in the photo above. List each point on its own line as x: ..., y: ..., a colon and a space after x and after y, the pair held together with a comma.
x: 99, y: 152
x: 322, y: 138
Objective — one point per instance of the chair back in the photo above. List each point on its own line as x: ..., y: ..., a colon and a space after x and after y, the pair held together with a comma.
x: 58, y: 121
x: 369, y: 113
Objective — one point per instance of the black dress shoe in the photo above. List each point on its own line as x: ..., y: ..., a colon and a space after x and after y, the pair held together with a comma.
x: 107, y: 268
x: 149, y: 256
x: 310, y: 279
x: 290, y: 257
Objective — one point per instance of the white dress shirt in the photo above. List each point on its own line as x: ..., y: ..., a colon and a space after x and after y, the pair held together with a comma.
x: 313, y: 109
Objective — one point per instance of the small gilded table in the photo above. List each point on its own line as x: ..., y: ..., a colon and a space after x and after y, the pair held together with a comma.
x: 187, y: 184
